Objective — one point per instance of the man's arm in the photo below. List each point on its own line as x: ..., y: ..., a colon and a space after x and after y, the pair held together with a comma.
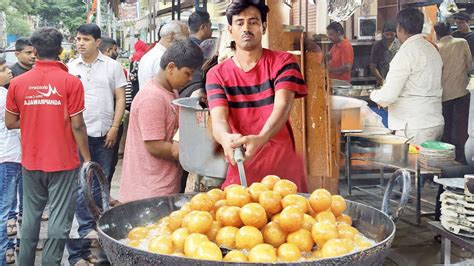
x: 79, y: 131
x: 376, y: 73
x: 12, y: 121
x: 396, y: 78
x: 168, y: 150
x: 222, y: 133
x: 284, y: 100
x: 468, y: 55
x: 111, y: 136
x: 347, y: 67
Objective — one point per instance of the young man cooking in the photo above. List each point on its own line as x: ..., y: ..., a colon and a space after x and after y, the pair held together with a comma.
x: 251, y: 96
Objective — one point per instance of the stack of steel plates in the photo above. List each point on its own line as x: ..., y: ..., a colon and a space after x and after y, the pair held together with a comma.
x: 457, y: 212
x: 436, y: 154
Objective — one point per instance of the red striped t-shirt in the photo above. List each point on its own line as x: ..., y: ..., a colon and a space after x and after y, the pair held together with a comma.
x: 250, y: 97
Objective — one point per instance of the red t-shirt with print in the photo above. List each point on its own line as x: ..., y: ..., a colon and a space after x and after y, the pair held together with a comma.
x: 45, y: 98
x: 250, y: 98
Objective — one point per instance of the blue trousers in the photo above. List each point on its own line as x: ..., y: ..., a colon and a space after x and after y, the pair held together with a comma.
x: 80, y: 248
x: 9, y: 174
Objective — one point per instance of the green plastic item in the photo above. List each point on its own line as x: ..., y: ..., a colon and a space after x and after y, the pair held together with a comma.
x: 437, y: 145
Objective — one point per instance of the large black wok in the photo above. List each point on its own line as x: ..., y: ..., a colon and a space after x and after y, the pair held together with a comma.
x: 115, y: 224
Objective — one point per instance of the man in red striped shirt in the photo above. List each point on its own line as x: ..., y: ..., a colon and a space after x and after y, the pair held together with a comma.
x: 251, y: 95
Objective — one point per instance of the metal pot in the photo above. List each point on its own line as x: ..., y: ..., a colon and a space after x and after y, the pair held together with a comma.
x: 115, y: 224
x: 344, y: 88
x: 198, y: 151
x: 390, y: 148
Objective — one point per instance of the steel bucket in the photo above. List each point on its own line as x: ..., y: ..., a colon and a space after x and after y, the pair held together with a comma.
x: 198, y: 151
x: 390, y: 148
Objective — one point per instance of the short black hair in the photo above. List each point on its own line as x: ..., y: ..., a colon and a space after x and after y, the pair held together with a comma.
x: 47, y: 42
x: 90, y: 29
x: 462, y: 16
x: 411, y: 20
x: 442, y: 29
x: 21, y: 43
x: 2, y: 61
x: 237, y: 6
x: 106, y: 42
x: 389, y: 26
x: 336, y: 26
x: 197, y: 19
x: 184, y: 54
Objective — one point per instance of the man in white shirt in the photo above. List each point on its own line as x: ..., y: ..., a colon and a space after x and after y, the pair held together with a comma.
x: 10, y: 165
x: 104, y: 87
x: 412, y: 90
x: 150, y: 62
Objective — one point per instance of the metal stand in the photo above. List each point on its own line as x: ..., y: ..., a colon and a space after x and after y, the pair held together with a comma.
x: 446, y: 239
x: 412, y: 166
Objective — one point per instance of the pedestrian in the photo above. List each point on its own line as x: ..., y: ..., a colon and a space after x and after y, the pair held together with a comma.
x: 150, y: 62
x: 104, y: 85
x: 251, y: 96
x: 150, y: 164
x: 200, y: 26
x: 25, y: 55
x: 50, y: 103
x: 108, y: 47
x: 457, y: 59
x: 412, y: 90
x: 140, y: 49
x: 463, y: 21
x: 383, y: 52
x: 10, y: 169
x: 341, y: 55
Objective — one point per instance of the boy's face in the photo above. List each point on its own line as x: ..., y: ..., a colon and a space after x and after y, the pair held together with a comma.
x: 5, y: 75
x: 178, y: 77
x: 247, y: 29
x: 26, y: 56
x: 86, y: 44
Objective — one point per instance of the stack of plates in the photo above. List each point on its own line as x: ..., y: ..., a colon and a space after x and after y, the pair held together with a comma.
x: 457, y: 213
x: 436, y: 154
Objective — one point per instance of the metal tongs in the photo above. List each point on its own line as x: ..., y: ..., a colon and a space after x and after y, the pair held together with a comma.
x: 239, y: 159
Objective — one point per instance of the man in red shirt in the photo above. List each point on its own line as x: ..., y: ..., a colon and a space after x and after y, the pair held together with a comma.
x: 251, y: 96
x: 46, y: 103
x: 341, y: 55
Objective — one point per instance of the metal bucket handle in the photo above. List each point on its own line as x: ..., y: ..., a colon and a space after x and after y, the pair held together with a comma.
x: 86, y: 180
x: 404, y: 175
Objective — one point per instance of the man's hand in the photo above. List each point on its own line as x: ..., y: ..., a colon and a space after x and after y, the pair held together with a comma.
x: 111, y: 137
x: 228, y: 145
x: 380, y: 82
x: 85, y: 162
x: 251, y: 143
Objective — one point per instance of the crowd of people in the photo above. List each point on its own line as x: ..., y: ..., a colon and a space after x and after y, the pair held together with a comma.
x: 59, y: 117
x: 56, y: 118
x: 424, y: 85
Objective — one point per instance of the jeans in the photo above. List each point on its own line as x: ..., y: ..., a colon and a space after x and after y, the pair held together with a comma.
x: 115, y: 158
x: 12, y: 214
x: 78, y: 249
x: 9, y: 173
